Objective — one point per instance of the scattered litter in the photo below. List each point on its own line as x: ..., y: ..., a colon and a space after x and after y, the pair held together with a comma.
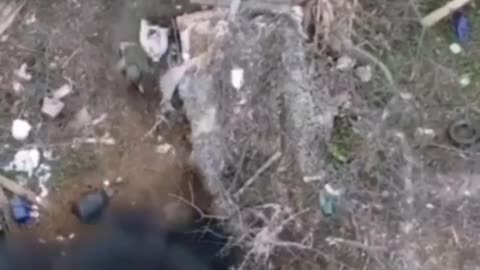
x: 17, y: 87
x: 26, y: 161
x: 425, y: 134
x: 164, y: 148
x: 327, y: 204
x: 20, y: 129
x: 48, y: 154
x: 430, y: 206
x: 60, y: 238
x: 82, y: 119
x: 106, y: 183
x: 465, y: 80
x: 90, y: 208
x: 22, y: 73
x: 345, y: 63
x: 332, y: 191
x: 455, y: 48
x: 71, y: 236
x: 462, y: 27
x: 31, y: 19
x: 463, y: 133
x: 43, y: 174
x: 364, y: 73
x: 237, y: 78
x: 314, y: 178
x: 99, y: 119
x: 154, y: 40
x: 63, y: 91
x: 52, y: 107
x: 105, y: 139
x: 22, y: 211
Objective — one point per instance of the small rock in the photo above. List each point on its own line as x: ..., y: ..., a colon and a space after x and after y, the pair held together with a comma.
x: 237, y: 78
x: 20, y: 129
x: 345, y: 63
x: 52, y: 107
x: 90, y: 208
x: 364, y: 73
x: 62, y: 92
x: 455, y: 48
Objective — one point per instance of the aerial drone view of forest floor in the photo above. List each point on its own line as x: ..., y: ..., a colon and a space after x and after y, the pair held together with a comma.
x: 321, y: 134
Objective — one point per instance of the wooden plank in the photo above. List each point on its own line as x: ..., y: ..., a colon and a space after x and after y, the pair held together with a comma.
x: 442, y: 12
x: 8, y: 12
x: 275, y: 5
x: 24, y: 192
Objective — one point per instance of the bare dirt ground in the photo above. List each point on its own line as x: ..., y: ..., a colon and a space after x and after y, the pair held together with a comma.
x: 71, y: 42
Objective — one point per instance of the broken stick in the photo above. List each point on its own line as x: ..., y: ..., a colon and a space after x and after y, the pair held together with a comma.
x: 262, y: 169
x: 23, y: 192
x: 442, y: 12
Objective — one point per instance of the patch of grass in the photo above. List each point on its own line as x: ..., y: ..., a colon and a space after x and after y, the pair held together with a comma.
x: 344, y: 141
x: 73, y: 165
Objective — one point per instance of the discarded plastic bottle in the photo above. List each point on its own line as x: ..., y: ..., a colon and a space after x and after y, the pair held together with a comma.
x: 90, y: 208
x: 22, y: 211
x: 462, y: 27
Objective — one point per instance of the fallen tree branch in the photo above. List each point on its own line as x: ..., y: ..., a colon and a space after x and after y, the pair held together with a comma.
x: 23, y: 192
x: 8, y: 12
x: 262, y: 169
x: 442, y: 12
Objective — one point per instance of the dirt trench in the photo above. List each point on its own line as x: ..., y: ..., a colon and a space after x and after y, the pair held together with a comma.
x: 72, y: 41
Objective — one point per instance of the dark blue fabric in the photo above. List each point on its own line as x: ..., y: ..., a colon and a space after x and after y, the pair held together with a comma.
x: 462, y: 27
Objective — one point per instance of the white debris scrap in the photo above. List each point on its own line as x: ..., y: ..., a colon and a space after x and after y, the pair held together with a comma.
x: 43, y: 175
x: 364, y: 73
x: 345, y: 63
x: 63, y: 91
x: 31, y: 19
x: 237, y: 78
x: 455, y: 48
x: 20, y: 129
x: 164, y: 148
x: 425, y: 132
x: 26, y: 161
x: 22, y: 73
x: 154, y: 39
x: 465, y: 80
x: 332, y: 191
x: 52, y: 107
x: 17, y: 87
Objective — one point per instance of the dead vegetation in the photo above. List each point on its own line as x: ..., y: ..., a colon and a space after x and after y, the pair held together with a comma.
x: 265, y: 154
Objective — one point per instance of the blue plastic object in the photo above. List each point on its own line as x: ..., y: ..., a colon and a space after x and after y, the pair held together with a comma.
x: 462, y: 27
x: 21, y: 210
